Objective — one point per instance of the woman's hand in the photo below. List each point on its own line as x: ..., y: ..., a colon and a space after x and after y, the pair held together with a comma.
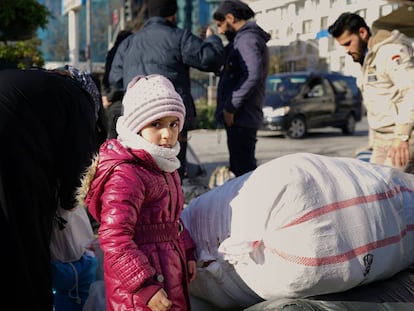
x: 160, y: 301
x: 192, y: 270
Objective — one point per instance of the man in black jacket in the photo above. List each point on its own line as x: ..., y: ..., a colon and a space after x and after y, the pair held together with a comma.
x: 241, y: 88
x: 162, y: 48
x: 112, y: 96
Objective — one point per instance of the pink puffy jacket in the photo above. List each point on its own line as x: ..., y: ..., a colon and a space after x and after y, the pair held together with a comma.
x: 145, y: 245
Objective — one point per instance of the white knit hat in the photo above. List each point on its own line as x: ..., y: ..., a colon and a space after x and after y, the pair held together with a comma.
x: 149, y: 98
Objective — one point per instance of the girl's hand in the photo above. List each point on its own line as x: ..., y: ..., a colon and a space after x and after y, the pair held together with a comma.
x: 192, y: 270
x: 160, y: 301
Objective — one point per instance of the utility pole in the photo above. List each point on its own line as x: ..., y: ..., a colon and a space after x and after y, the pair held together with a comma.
x: 88, y: 37
x: 73, y: 20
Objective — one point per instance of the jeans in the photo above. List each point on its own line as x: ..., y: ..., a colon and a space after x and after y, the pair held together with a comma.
x: 241, y: 143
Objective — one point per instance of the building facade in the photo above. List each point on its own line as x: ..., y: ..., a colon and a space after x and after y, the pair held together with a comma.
x: 107, y: 18
x: 299, y: 30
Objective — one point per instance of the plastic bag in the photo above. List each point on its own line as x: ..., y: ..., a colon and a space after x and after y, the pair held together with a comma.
x: 71, y: 282
x: 96, y: 299
x: 72, y: 234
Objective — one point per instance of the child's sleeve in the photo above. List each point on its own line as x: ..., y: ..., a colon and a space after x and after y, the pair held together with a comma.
x: 188, y: 244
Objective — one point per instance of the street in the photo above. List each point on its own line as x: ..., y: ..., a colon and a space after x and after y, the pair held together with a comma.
x: 210, y: 145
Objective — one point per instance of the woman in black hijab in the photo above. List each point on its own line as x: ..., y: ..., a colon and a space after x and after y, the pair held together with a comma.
x: 48, y: 133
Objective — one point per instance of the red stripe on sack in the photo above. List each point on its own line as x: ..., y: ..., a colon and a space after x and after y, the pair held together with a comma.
x: 396, y: 56
x: 347, y: 256
x: 332, y: 207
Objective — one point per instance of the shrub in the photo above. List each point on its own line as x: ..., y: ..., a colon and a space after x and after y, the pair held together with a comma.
x: 22, y: 54
x: 205, y: 115
x: 19, y: 19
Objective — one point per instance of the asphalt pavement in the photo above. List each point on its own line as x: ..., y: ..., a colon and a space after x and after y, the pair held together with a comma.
x: 210, y: 147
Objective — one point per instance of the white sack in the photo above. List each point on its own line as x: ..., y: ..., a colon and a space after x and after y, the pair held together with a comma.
x: 72, y: 234
x: 207, y: 218
x: 306, y: 224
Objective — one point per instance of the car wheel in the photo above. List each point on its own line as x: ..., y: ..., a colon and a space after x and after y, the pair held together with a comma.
x: 296, y: 128
x: 350, y: 124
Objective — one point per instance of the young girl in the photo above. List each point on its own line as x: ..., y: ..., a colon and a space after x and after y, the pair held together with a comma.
x: 134, y: 191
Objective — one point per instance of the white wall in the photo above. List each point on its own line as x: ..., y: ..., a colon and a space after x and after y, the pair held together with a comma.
x: 283, y: 19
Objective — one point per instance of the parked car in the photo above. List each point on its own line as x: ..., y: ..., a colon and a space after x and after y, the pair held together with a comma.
x: 298, y: 101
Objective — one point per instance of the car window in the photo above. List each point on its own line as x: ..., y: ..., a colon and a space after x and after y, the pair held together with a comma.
x: 314, y: 88
x: 351, y: 82
x: 345, y: 85
x: 273, y: 83
x: 286, y: 85
x: 295, y: 85
x: 340, y: 86
x: 328, y: 90
x: 316, y: 91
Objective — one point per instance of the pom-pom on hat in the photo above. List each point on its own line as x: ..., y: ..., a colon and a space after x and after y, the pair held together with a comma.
x: 162, y: 8
x: 149, y: 98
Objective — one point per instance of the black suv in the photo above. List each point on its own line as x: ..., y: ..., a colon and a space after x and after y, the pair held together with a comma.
x: 298, y: 101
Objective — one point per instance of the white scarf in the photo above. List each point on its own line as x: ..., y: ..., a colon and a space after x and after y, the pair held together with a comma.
x: 166, y: 158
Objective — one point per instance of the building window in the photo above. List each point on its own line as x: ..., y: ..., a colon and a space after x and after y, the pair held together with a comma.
x: 332, y: 3
x: 349, y: 2
x: 278, y: 14
x: 300, y: 8
x: 308, y: 5
x: 385, y: 9
x: 324, y: 22
x: 331, y: 44
x: 289, y: 31
x: 291, y: 65
x: 341, y: 63
x: 292, y: 10
x: 307, y: 26
x: 362, y: 13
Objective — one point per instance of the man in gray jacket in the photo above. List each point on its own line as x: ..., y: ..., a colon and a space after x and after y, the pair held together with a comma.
x: 387, y: 86
x: 163, y: 48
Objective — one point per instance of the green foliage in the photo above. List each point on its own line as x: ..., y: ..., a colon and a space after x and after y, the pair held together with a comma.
x: 24, y: 54
x: 205, y: 115
x: 25, y: 13
x: 19, y: 20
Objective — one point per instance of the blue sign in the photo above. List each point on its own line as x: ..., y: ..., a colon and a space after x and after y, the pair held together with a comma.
x: 322, y: 34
